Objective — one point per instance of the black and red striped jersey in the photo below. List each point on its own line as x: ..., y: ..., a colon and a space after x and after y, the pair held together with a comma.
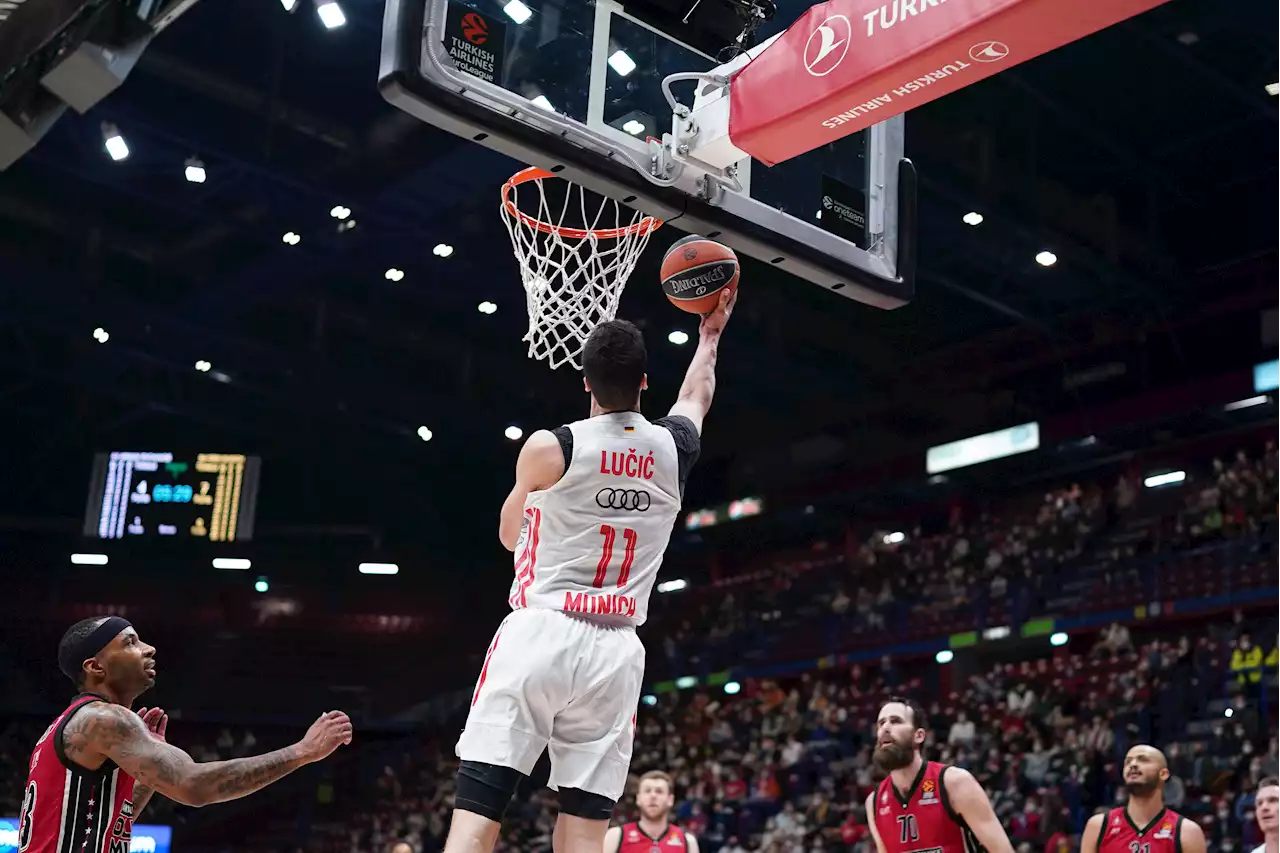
x: 68, y: 809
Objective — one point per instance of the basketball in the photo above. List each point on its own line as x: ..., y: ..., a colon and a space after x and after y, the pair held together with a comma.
x: 695, y: 270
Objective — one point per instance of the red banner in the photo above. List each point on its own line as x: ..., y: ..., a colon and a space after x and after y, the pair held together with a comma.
x: 848, y: 64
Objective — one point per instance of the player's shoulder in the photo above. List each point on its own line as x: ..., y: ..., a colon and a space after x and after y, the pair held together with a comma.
x: 682, y: 429
x: 98, y: 720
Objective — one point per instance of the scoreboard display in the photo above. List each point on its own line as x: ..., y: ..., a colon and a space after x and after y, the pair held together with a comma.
x: 144, y: 495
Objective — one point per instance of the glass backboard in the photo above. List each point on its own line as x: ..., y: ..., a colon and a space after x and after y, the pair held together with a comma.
x: 576, y: 87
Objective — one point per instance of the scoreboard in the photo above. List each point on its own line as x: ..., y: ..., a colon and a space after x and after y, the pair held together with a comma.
x: 145, y: 495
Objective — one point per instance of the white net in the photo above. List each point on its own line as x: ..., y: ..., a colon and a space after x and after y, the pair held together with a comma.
x: 576, y: 251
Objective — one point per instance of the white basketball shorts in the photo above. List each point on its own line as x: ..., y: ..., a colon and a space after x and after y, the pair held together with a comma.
x: 552, y: 679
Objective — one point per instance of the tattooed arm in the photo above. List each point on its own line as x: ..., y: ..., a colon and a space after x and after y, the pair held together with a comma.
x: 114, y: 732
x: 141, y: 796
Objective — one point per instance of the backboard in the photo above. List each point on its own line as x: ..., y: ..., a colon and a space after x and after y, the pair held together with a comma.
x: 577, y: 88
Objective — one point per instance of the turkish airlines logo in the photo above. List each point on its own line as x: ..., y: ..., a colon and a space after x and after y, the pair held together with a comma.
x: 632, y: 499
x: 827, y: 46
x: 989, y: 51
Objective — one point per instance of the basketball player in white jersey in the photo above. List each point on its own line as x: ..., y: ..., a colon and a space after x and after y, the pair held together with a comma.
x: 589, y: 518
x: 1266, y: 807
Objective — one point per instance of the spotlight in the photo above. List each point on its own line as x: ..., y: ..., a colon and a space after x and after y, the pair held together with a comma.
x: 972, y: 218
x: 100, y: 335
x: 330, y: 14
x: 678, y: 337
x: 620, y: 62
x: 291, y: 238
x: 1046, y: 258
x: 517, y: 11
x: 424, y: 433
x: 442, y: 250
x: 340, y: 212
x: 116, y: 147
x: 195, y: 171
x: 203, y: 366
x: 513, y: 432
x: 487, y: 307
x: 394, y: 274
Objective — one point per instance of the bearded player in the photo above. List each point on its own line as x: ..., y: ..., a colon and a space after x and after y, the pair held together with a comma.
x: 655, y: 797
x: 1266, y: 808
x: 1144, y: 825
x: 589, y: 518
x: 96, y: 767
x: 923, y: 805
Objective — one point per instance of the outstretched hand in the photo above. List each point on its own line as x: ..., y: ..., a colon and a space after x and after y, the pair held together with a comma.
x: 713, y: 322
x: 156, y: 721
x: 330, y: 731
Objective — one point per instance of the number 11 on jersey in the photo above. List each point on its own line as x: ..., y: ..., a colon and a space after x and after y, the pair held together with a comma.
x: 610, y: 535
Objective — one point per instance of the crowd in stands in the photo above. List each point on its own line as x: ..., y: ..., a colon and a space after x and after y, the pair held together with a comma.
x: 783, y: 765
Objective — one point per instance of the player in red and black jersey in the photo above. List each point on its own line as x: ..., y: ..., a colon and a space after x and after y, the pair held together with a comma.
x: 654, y: 832
x: 95, y: 768
x: 923, y: 806
x: 1144, y: 825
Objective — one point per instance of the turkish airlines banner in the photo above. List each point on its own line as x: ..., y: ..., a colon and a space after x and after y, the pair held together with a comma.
x: 848, y: 64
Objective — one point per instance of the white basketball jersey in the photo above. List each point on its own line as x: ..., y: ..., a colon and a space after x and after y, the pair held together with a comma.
x: 593, y: 542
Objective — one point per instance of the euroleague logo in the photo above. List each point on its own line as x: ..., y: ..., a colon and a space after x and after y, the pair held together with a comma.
x: 827, y: 46
x: 633, y: 499
x: 475, y: 28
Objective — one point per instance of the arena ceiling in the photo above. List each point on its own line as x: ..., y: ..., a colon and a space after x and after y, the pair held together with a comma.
x: 1144, y: 157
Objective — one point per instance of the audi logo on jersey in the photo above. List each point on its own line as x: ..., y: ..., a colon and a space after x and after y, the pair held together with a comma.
x: 632, y: 499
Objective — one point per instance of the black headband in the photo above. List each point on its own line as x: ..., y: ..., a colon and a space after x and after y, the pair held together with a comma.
x: 71, y: 658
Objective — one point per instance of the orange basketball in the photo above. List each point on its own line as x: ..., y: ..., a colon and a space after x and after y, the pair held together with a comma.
x: 695, y: 270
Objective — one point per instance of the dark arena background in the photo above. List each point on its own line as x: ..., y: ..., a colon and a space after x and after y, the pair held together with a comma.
x: 262, y: 388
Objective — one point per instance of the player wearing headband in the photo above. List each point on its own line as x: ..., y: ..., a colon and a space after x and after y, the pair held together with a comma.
x: 96, y: 766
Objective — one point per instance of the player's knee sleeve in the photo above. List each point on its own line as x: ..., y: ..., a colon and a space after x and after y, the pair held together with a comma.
x: 485, y: 789
x: 586, y: 805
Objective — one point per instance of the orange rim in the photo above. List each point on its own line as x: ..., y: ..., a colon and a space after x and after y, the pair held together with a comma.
x: 533, y: 173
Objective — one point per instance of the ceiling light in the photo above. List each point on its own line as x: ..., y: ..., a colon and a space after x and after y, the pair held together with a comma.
x: 972, y: 218
x: 1188, y: 38
x: 1058, y: 638
x: 340, y: 212
x: 674, y: 585
x: 89, y: 559
x: 541, y: 101
x: 289, y: 5
x: 732, y: 688
x: 442, y: 250
x: 944, y: 656
x: 203, y: 366
x: 622, y: 63
x: 895, y: 538
x: 1273, y: 89
x: 1046, y: 258
x: 394, y: 274
x: 379, y: 569
x: 513, y: 432
x: 330, y: 14
x: 818, y: 215
x: 1247, y: 403
x: 195, y: 171
x: 100, y: 335
x: 1164, y: 479
x: 487, y: 308
x: 232, y: 564
x: 517, y: 11
x: 634, y: 127
x: 261, y: 585
x: 424, y: 433
x: 346, y: 226
x: 114, y: 142
x: 291, y: 238
x: 678, y: 337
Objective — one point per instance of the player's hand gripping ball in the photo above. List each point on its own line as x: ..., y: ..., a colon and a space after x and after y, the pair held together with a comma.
x: 695, y: 270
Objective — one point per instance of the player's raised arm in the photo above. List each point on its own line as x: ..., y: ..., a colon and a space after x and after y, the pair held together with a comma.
x: 119, y: 734
x: 971, y: 803
x: 870, y: 806
x: 699, y: 385
x: 1092, y: 829
x: 540, y: 466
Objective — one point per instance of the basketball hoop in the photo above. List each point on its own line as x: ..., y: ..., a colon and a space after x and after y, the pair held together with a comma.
x: 573, y: 276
